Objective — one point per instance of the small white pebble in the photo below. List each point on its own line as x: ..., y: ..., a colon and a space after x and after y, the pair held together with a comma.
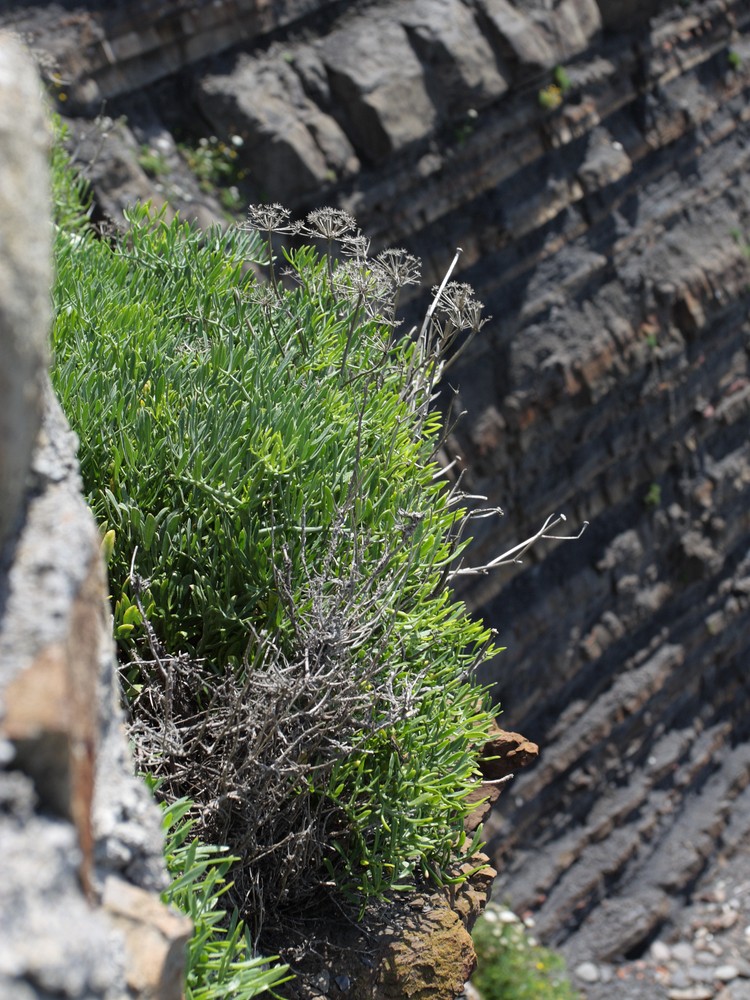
x: 726, y: 973
x: 587, y: 972
x: 660, y: 952
x: 682, y: 952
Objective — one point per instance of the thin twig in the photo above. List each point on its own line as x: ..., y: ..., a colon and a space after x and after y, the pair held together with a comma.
x: 514, y: 554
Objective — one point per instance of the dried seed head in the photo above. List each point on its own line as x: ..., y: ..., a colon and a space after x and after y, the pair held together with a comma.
x: 356, y: 278
x: 270, y: 219
x: 355, y: 245
x: 330, y: 223
x: 264, y: 295
x: 401, y: 268
x: 458, y: 305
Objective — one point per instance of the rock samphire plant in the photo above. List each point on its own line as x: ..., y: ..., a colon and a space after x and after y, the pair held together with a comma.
x: 265, y: 452
x: 221, y: 960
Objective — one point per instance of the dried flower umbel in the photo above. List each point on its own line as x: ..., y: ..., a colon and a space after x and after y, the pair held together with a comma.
x: 460, y: 308
x: 330, y: 223
x: 270, y: 219
x: 401, y: 268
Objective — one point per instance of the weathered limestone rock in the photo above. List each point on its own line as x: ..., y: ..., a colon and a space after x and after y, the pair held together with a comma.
x: 50, y: 669
x: 25, y: 273
x: 60, y: 725
x: 155, y: 940
x: 52, y: 943
x: 73, y: 812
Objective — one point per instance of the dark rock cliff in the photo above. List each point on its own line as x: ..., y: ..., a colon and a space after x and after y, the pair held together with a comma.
x: 591, y: 159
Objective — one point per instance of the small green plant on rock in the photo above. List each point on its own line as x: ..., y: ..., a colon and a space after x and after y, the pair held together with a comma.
x: 550, y: 97
x: 741, y: 240
x: 734, y: 59
x: 216, y: 165
x: 653, y: 495
x: 466, y: 127
x: 562, y: 79
x: 152, y: 162
x: 512, y: 966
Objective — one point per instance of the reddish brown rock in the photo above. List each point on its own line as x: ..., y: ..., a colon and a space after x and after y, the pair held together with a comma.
x: 505, y: 753
x: 156, y: 939
x: 502, y: 755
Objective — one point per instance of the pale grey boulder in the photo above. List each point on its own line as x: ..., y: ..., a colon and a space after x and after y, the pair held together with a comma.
x: 25, y: 272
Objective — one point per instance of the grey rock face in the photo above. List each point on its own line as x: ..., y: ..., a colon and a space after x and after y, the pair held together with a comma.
x: 107, y: 49
x: 25, y: 272
x: 460, y: 65
x: 379, y: 85
x: 517, y: 37
x: 294, y: 148
x: 571, y: 27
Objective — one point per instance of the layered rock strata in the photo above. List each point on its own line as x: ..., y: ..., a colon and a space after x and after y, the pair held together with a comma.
x: 615, y: 388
